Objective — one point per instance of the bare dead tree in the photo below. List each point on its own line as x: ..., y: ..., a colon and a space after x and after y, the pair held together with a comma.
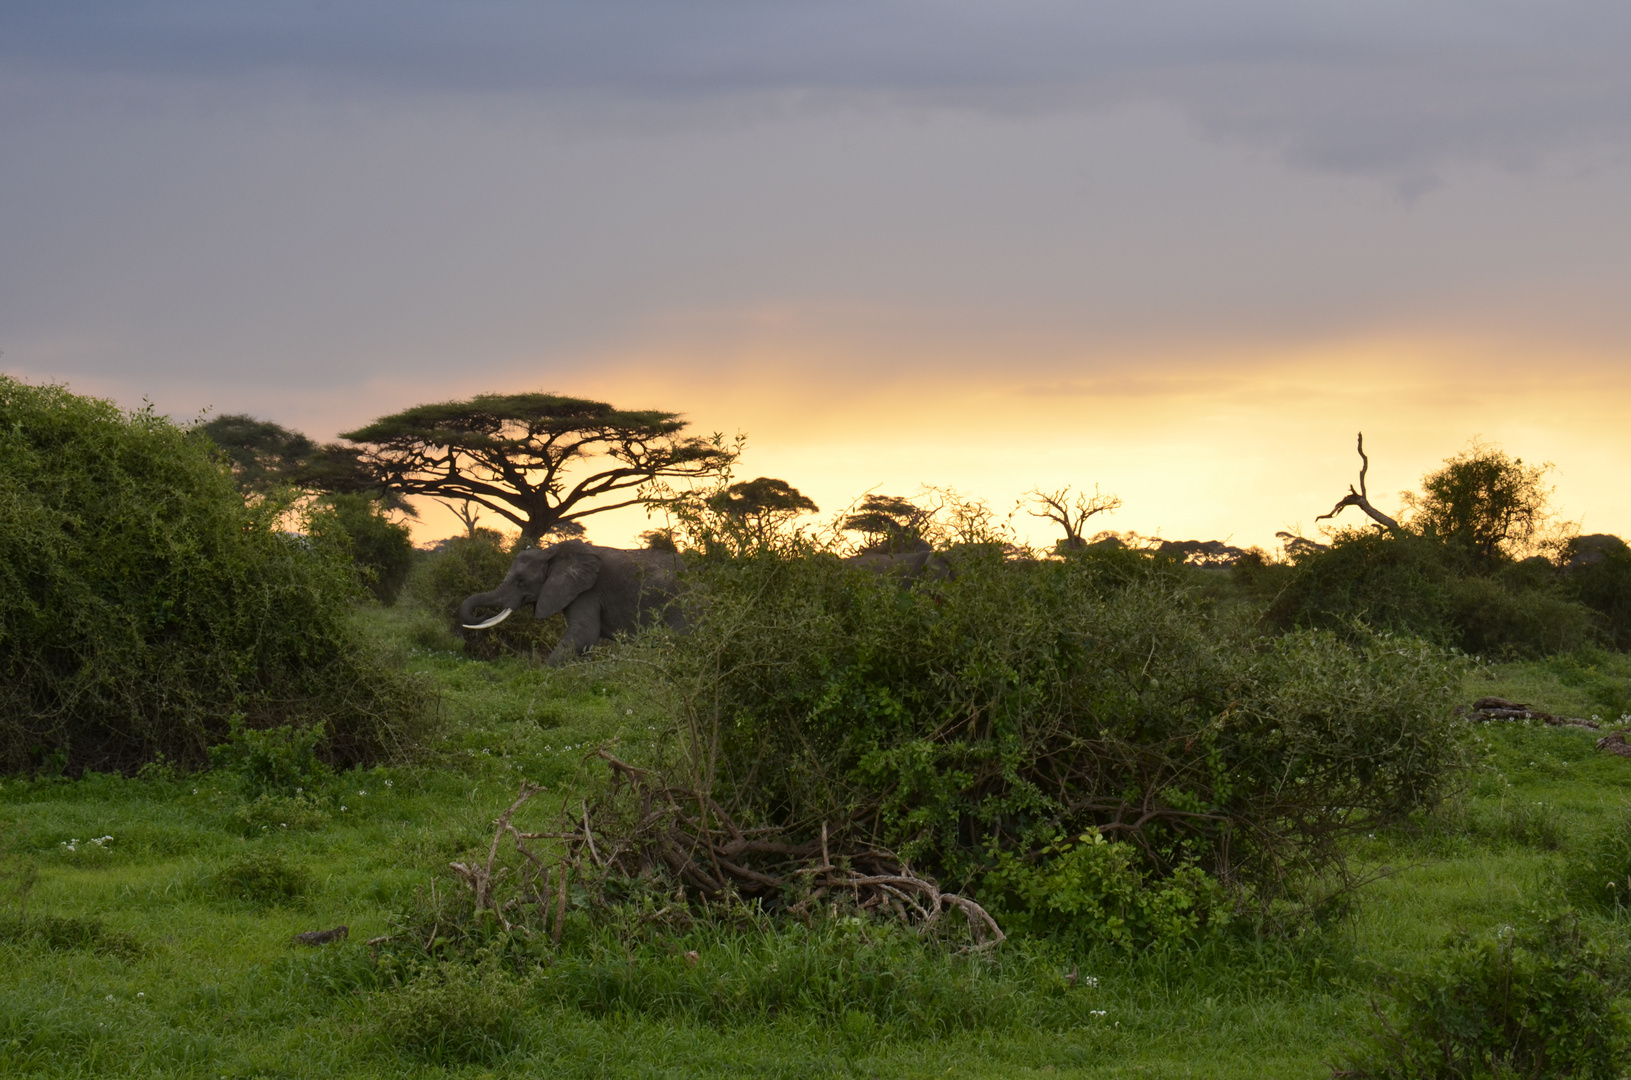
x: 1072, y: 515
x: 1357, y: 497
x: 465, y: 512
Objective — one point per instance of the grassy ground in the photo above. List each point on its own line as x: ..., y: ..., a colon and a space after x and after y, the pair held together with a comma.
x: 145, y: 926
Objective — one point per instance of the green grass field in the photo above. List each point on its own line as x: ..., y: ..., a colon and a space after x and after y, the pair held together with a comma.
x: 145, y: 926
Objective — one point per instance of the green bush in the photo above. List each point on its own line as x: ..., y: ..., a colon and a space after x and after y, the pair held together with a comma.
x: 453, y: 1014
x: 466, y: 565
x: 279, y: 760
x: 1523, y: 1003
x: 381, y: 549
x: 967, y: 724
x: 261, y: 878
x: 1420, y: 585
x: 1097, y: 888
x: 142, y: 602
x: 1604, y: 585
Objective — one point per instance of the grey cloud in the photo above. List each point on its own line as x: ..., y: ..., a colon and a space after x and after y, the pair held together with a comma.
x: 1389, y: 87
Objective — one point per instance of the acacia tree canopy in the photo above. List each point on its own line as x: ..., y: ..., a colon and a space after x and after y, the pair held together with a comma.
x: 888, y: 523
x: 537, y: 460
x: 763, y: 503
x: 263, y: 455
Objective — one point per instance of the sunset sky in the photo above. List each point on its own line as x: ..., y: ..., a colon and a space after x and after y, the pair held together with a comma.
x: 1182, y: 250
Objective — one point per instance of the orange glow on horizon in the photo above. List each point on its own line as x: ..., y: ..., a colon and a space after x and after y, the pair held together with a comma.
x: 1232, y: 448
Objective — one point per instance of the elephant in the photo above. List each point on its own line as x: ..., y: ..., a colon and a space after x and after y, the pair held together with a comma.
x: 603, y: 591
x: 921, y: 564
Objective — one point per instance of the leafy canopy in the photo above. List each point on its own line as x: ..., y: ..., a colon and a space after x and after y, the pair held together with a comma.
x: 263, y: 455
x: 534, y: 459
x: 888, y: 523
x: 762, y: 504
x: 1484, y: 502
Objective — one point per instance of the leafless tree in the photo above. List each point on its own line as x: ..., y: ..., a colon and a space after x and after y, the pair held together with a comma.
x: 1357, y: 497
x: 1072, y: 514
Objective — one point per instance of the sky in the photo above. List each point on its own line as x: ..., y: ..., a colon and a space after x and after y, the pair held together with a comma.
x: 1182, y: 250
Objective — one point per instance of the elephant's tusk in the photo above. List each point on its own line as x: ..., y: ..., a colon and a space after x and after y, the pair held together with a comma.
x: 494, y: 621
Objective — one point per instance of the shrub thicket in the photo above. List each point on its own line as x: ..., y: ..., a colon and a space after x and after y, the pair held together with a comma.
x: 143, y: 603
x: 977, y: 726
x: 1600, y: 578
x: 1420, y: 585
x: 380, y: 549
x: 1539, y: 1002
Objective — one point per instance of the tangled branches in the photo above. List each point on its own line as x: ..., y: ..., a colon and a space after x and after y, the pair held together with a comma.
x: 668, y: 837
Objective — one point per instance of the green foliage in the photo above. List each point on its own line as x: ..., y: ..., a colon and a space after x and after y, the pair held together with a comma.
x: 1097, y: 888
x: 280, y: 760
x: 69, y: 932
x: 1597, y: 875
x: 261, y: 878
x: 466, y: 565
x: 1533, y: 1002
x: 1600, y: 578
x: 956, y: 721
x: 452, y: 1014
x: 142, y: 602
x: 1417, y: 585
x: 381, y: 549
x: 1482, y: 503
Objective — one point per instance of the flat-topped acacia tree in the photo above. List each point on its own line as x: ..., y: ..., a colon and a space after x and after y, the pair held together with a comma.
x: 537, y: 460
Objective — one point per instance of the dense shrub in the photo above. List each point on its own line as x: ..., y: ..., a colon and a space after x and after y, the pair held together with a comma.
x: 381, y: 549
x: 1419, y: 585
x: 142, y: 602
x: 453, y: 1014
x: 1600, y: 578
x: 465, y: 565
x: 1524, y: 1003
x: 261, y: 878
x: 970, y: 724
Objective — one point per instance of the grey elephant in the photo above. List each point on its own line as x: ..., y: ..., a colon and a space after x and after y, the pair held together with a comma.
x: 919, y: 564
x: 603, y: 591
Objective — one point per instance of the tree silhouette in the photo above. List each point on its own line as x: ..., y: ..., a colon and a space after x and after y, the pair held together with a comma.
x: 762, y: 504
x: 1482, y: 501
x: 1072, y: 514
x: 263, y: 455
x: 537, y: 460
x: 1357, y: 497
x: 889, y: 523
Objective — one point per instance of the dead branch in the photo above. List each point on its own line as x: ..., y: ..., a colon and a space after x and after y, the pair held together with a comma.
x: 1358, y: 497
x: 481, y: 878
x: 643, y: 827
x: 1057, y: 507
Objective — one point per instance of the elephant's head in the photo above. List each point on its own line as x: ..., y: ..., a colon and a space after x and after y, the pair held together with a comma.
x: 547, y: 578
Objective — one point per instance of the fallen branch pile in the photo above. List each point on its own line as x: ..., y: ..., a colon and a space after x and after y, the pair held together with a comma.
x: 646, y: 831
x: 1486, y: 709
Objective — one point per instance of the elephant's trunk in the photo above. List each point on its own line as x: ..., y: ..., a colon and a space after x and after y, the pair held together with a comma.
x: 494, y: 598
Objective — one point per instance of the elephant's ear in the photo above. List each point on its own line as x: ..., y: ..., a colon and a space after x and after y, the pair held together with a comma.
x: 570, y: 573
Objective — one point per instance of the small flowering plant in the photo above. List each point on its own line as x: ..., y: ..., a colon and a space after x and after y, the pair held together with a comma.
x: 95, y: 843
